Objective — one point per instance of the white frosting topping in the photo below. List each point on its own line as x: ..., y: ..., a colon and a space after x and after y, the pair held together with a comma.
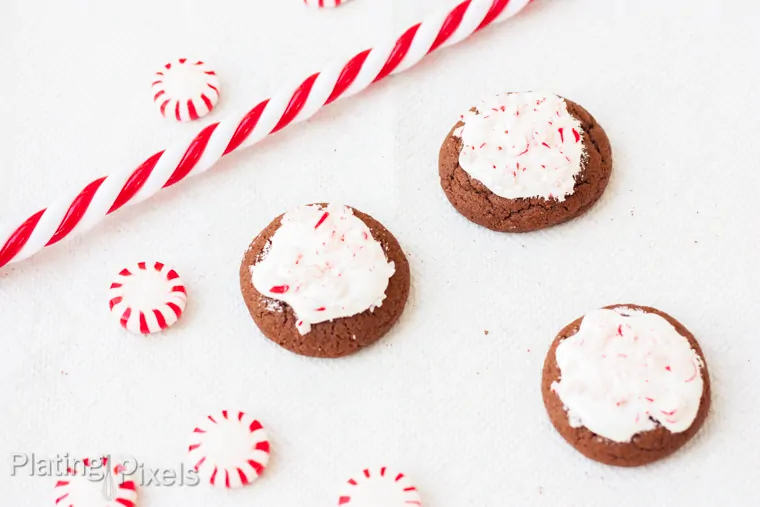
x: 325, y: 264
x: 522, y: 145
x: 625, y: 372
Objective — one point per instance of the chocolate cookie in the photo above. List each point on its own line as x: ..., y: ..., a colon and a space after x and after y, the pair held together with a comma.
x: 325, y: 280
x: 626, y: 385
x: 525, y: 161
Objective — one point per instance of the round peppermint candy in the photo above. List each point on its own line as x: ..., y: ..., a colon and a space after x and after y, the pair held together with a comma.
x: 185, y: 89
x: 147, y: 297
x: 229, y: 449
x: 379, y: 487
x: 94, y: 484
x: 320, y: 4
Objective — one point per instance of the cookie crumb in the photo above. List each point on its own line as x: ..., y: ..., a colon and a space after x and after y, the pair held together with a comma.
x: 485, y: 332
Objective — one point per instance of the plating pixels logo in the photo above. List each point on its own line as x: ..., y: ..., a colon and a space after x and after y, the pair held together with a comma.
x: 112, y: 473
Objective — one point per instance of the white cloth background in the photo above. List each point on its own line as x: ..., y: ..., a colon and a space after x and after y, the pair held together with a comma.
x: 673, y: 83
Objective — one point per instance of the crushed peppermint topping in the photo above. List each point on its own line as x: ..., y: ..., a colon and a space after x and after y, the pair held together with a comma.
x: 625, y: 372
x: 324, y: 263
x: 529, y: 145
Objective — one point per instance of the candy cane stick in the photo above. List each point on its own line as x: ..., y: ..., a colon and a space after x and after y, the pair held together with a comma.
x: 168, y: 167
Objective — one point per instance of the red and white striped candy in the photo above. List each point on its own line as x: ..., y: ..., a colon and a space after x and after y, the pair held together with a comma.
x: 229, y: 449
x: 379, y: 488
x: 78, y: 489
x: 147, y: 297
x: 185, y: 89
x: 166, y: 168
x: 324, y: 3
